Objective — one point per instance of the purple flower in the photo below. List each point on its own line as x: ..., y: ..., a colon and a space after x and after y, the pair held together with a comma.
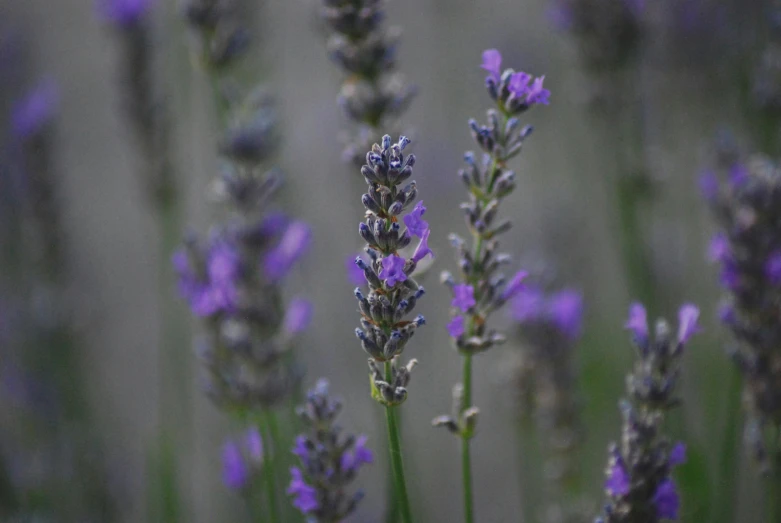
x: 255, y: 445
x: 414, y: 220
x: 298, y: 316
x: 456, y: 326
x: 217, y: 291
x: 422, y: 250
x: 566, y: 312
x: 492, y: 62
x: 687, y: 322
x: 463, y: 297
x: 294, y: 243
x: 515, y: 285
x: 637, y: 322
x: 773, y: 268
x: 305, y: 495
x: 677, y: 454
x: 359, y: 455
x: 617, y: 483
x: 31, y: 114
x: 726, y: 314
x: 718, y: 250
x: 537, y: 94
x: 123, y: 13
x: 274, y: 223
x: 709, y: 185
x: 528, y: 305
x: 519, y: 83
x: 234, y: 470
x: 301, y: 450
x: 729, y: 277
x: 738, y: 174
x: 392, y: 270
x: 666, y: 500
x: 354, y: 273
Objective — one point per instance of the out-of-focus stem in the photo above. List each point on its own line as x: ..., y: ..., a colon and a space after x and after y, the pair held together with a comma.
x: 730, y: 451
x: 270, y: 465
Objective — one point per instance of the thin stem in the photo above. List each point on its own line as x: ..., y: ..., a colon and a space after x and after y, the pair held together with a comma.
x: 466, y: 459
x: 269, y: 467
x: 397, y: 463
x: 725, y: 501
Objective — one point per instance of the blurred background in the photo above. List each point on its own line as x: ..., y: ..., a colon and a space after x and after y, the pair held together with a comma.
x: 86, y: 440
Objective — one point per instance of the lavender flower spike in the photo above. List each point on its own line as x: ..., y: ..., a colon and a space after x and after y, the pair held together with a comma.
x: 639, y: 485
x: 749, y: 218
x: 330, y: 460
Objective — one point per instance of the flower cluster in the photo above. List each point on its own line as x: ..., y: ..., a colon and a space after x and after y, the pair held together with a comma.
x: 639, y: 485
x: 330, y: 461
x: 608, y: 32
x: 549, y: 325
x: 143, y: 103
x: 372, y: 95
x: 747, y: 207
x: 393, y: 293
x: 220, y: 30
x: 242, y: 460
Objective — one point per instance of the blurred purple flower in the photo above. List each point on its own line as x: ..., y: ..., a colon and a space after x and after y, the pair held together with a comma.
x: 456, y: 326
x: 360, y: 455
x: 463, y: 297
x: 666, y: 500
x: 677, y: 454
x: 392, y: 270
x: 515, y: 285
x: 709, y: 185
x: 718, y: 250
x: 637, y: 322
x: 255, y: 445
x: 492, y: 62
x: 217, y: 291
x: 301, y: 450
x: 234, y: 471
x: 687, y: 322
x: 519, y: 83
x: 773, y: 268
x: 123, y: 13
x: 305, y: 495
x: 560, y: 16
x: 528, y: 304
x: 536, y: 94
x: 298, y: 316
x: 617, y: 483
x: 726, y: 314
x: 738, y: 174
x: 414, y: 220
x: 293, y: 245
x: 274, y: 223
x: 31, y: 114
x: 566, y: 312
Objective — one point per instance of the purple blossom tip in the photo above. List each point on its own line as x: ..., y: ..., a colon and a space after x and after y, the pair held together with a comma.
x: 234, y: 470
x: 463, y: 297
x: 31, y: 114
x: 726, y: 314
x: 638, y: 321
x: 709, y: 185
x: 456, y: 327
x: 255, y: 445
x: 298, y: 316
x: 718, y: 249
x: 773, y: 268
x: 528, y: 305
x: 666, y: 500
x: 292, y: 246
x: 677, y: 454
x: 392, y: 270
x: 515, y: 285
x: 305, y: 496
x: 360, y: 455
x: 687, y: 322
x: 300, y: 449
x: 492, y: 62
x: 738, y: 174
x: 123, y: 13
x: 617, y: 483
x: 537, y: 95
x: 414, y: 220
x: 422, y: 250
x: 566, y: 312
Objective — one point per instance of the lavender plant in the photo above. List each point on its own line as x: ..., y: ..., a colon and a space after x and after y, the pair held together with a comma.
x: 639, y: 485
x: 549, y: 327
x: 748, y: 247
x: 373, y: 96
x: 483, y: 288
x: 233, y: 278
x: 393, y: 293
x: 330, y: 461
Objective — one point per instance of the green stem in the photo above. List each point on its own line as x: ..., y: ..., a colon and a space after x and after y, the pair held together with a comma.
x: 774, y: 497
x: 397, y: 463
x: 725, y: 501
x: 269, y: 467
x: 466, y: 459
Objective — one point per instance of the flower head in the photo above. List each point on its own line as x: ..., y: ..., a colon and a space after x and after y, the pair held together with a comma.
x: 666, y: 500
x: 414, y: 220
x: 463, y: 297
x: 456, y: 327
x: 492, y: 62
x: 566, y: 312
x: 305, y: 495
x: 392, y: 270
x: 298, y: 316
x: 637, y: 322
x: 687, y: 322
x: 528, y: 304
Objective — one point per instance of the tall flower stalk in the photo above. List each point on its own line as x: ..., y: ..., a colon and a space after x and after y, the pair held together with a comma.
x: 483, y: 289
x: 373, y: 95
x: 146, y: 111
x: 393, y: 293
x: 747, y: 208
x: 233, y: 278
x: 639, y: 485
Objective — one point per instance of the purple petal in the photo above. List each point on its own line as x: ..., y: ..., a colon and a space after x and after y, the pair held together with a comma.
x: 298, y: 316
x: 687, y: 322
x: 637, y: 322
